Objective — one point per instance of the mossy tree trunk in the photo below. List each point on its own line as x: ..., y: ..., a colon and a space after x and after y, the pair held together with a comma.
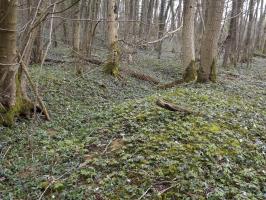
x: 112, y: 65
x: 12, y: 102
x: 209, y: 45
x: 188, y: 46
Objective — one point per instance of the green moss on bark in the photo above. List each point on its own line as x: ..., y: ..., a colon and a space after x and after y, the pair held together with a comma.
x: 112, y: 65
x: 213, y: 73
x: 190, y: 72
x: 22, y: 107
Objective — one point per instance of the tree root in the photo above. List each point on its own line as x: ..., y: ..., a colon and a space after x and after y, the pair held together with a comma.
x: 140, y: 76
x: 22, y: 107
x: 189, y: 75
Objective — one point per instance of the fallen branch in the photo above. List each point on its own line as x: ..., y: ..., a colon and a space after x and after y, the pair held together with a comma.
x: 90, y: 60
x: 168, y: 34
x: 144, y: 194
x: 50, y: 60
x: 140, y: 76
x: 172, y: 84
x: 34, y: 88
x: 169, y: 106
x: 259, y: 55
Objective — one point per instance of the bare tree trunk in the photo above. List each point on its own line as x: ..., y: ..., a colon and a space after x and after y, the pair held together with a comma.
x: 38, y: 45
x: 248, y: 42
x: 261, y: 27
x: 76, y: 40
x: 143, y: 17
x: 11, y: 100
x: 231, y: 40
x: 188, y: 47
x: 90, y: 27
x: 149, y: 18
x: 264, y: 48
x: 112, y: 65
x: 162, y: 20
x: 209, y: 46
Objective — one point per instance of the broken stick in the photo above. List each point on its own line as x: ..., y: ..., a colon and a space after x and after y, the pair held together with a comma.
x: 34, y: 88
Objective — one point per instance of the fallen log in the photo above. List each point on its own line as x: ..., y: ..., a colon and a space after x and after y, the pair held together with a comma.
x: 139, y: 75
x: 171, y: 107
x: 172, y: 84
x: 89, y: 60
x: 259, y: 55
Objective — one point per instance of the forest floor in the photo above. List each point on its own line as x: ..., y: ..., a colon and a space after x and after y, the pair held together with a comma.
x: 109, y: 140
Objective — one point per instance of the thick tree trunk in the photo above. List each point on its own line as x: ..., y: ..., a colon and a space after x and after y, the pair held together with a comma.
x: 209, y: 45
x: 8, y: 59
x: 188, y: 47
x: 112, y: 65
x: 11, y: 101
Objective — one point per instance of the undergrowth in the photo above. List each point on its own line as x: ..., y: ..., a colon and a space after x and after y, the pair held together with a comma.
x: 109, y: 140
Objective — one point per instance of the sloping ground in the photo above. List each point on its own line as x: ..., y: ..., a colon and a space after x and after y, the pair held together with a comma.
x: 109, y: 140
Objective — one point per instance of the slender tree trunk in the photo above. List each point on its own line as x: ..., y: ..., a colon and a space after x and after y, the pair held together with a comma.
x: 248, y: 42
x: 112, y: 65
x: 264, y: 48
x: 161, y: 27
x: 209, y: 46
x: 188, y: 47
x: 143, y: 17
x: 261, y: 28
x: 76, y: 40
x: 231, y: 41
x: 149, y: 18
x: 38, y: 45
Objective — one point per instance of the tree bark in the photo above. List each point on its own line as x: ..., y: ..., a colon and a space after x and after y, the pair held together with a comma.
x: 76, y: 40
x: 11, y: 101
x: 231, y: 41
x: 112, y: 65
x: 8, y: 59
x: 248, y: 41
x: 188, y: 47
x: 209, y: 46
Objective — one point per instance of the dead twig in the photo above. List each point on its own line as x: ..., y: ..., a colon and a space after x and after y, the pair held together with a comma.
x: 144, y: 194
